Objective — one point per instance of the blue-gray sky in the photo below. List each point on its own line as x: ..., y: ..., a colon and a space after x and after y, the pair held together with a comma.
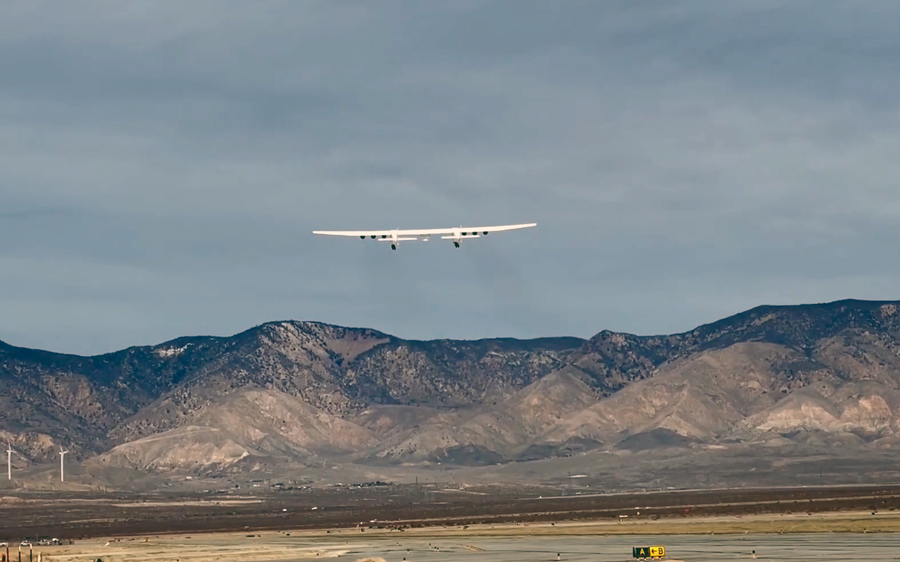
x: 162, y: 164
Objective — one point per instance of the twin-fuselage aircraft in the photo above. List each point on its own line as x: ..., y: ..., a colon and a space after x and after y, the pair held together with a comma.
x: 457, y: 235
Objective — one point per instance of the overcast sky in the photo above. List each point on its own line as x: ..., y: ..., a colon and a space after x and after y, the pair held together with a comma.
x: 163, y: 163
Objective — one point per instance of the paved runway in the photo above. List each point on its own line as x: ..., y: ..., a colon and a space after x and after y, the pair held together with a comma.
x: 350, y: 547
x: 811, y: 547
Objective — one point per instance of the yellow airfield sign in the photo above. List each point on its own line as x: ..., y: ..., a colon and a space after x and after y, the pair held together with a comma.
x: 648, y: 551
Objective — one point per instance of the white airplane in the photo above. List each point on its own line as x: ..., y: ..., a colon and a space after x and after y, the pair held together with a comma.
x: 397, y: 236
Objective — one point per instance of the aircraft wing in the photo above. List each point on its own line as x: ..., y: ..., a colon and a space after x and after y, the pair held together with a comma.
x: 464, y: 230
x: 487, y: 229
x: 367, y: 233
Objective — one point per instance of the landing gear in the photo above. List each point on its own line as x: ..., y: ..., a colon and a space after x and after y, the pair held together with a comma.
x: 455, y: 243
x: 393, y: 246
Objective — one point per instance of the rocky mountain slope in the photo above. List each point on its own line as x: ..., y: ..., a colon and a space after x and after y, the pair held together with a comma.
x: 302, y: 392
x: 91, y: 404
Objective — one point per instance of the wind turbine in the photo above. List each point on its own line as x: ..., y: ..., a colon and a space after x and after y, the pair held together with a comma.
x: 9, y: 460
x: 62, y: 468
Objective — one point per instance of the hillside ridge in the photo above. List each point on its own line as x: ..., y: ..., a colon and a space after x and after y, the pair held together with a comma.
x: 291, y: 391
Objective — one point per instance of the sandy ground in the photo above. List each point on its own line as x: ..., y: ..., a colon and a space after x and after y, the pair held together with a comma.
x: 825, y: 537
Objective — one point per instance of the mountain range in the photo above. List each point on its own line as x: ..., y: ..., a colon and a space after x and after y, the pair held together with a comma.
x: 823, y: 377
